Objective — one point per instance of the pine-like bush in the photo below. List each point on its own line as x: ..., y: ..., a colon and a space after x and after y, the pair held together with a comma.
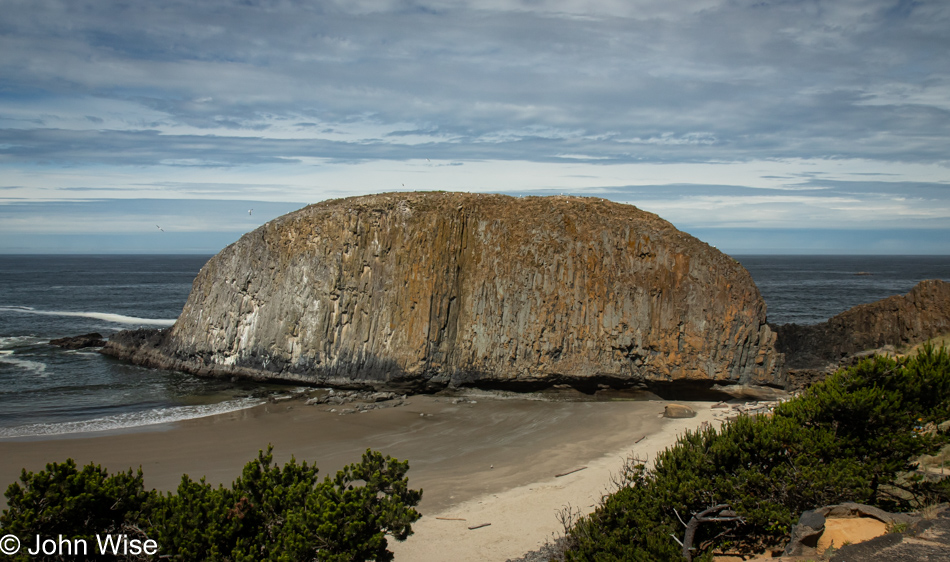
x: 852, y: 437
x: 77, y: 504
x: 269, y: 513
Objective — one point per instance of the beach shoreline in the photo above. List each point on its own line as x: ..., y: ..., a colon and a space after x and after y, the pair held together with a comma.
x: 471, y: 458
x: 522, y: 519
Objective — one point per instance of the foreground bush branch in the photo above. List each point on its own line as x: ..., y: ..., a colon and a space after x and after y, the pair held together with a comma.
x: 722, y: 514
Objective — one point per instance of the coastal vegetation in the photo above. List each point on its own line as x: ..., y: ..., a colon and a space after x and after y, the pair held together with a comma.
x: 269, y: 513
x: 857, y: 436
x: 853, y: 437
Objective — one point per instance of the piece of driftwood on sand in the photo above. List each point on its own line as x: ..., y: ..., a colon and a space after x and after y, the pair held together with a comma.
x: 569, y: 472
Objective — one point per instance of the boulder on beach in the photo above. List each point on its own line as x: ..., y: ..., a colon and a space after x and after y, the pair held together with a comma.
x: 678, y: 411
x: 423, y: 291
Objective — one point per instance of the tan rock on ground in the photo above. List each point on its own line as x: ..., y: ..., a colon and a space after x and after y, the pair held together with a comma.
x: 678, y: 411
x: 841, y: 532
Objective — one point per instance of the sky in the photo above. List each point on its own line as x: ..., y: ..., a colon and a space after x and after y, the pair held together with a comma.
x: 761, y: 127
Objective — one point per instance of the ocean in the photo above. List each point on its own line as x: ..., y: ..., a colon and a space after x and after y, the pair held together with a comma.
x: 45, y: 390
x: 812, y: 289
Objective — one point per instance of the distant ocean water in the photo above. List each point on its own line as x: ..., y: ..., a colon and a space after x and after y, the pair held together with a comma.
x: 812, y: 289
x: 45, y: 390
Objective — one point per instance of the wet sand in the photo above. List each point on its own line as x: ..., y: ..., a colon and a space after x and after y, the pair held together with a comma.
x: 462, y: 455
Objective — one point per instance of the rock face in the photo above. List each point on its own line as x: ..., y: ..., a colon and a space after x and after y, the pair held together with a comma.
x: 428, y: 290
x: 921, y: 314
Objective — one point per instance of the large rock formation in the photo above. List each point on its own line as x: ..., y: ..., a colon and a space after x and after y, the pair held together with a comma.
x: 427, y: 290
x: 921, y: 314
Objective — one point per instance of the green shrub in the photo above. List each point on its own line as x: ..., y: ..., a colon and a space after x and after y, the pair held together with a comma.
x: 78, y: 504
x: 849, y: 438
x: 269, y: 513
x: 273, y: 513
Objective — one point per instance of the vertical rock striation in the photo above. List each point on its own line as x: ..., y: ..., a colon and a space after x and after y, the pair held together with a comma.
x: 427, y: 290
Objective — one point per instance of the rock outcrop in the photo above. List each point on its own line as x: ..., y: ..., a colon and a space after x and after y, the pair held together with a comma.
x: 421, y: 291
x: 93, y: 339
x: 816, y: 531
x: 921, y: 314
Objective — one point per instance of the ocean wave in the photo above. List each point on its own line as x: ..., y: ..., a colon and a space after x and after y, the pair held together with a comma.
x: 107, y: 316
x: 83, y: 352
x: 129, y: 420
x: 35, y: 367
x: 9, y: 342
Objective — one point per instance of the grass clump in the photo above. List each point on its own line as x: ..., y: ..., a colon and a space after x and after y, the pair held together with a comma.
x: 851, y: 437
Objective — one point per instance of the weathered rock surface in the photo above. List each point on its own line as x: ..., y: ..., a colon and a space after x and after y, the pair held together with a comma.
x: 428, y: 290
x: 921, y: 314
x: 927, y: 539
x: 873, y: 534
x: 677, y: 411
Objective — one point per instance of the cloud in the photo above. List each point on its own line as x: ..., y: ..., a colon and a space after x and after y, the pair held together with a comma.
x: 738, y: 74
x: 350, y: 97
x: 138, y: 216
x: 811, y: 204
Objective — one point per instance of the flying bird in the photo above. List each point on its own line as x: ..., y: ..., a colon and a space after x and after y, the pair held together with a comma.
x: 249, y: 211
x: 160, y: 228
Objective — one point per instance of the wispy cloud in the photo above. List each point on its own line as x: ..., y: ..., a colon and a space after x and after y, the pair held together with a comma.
x: 284, y: 100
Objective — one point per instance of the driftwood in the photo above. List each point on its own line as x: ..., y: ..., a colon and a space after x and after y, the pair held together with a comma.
x: 715, y: 514
x: 570, y: 472
x: 473, y: 527
x: 450, y: 518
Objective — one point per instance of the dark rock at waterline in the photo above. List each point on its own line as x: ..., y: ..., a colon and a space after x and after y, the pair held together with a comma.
x: 93, y: 339
x: 421, y: 291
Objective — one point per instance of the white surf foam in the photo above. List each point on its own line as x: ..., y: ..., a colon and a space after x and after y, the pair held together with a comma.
x: 83, y: 353
x: 129, y: 420
x: 7, y: 342
x: 35, y: 367
x: 108, y: 317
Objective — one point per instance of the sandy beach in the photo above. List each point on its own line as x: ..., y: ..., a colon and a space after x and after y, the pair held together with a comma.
x: 493, y: 461
x: 523, y: 518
